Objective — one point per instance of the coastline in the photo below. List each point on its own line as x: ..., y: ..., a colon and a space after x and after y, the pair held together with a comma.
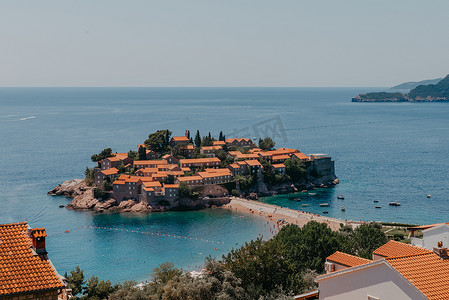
x: 282, y: 215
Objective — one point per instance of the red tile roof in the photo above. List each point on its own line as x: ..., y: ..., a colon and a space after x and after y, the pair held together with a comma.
x: 300, y: 155
x: 278, y: 166
x: 189, y: 178
x: 171, y: 186
x: 253, y: 163
x: 427, y: 272
x: 21, y: 271
x: 150, y: 162
x: 111, y: 171
x: 180, y: 139
x: 218, y: 143
x: 347, y: 259
x: 393, y: 249
x: 199, y: 160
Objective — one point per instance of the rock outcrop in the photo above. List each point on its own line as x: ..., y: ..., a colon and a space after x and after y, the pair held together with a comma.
x: 70, y: 188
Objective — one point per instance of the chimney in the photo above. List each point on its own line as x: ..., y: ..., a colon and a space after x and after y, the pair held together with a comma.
x: 440, y: 251
x: 38, y: 239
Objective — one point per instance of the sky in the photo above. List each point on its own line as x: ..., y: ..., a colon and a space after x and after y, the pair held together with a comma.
x: 214, y: 43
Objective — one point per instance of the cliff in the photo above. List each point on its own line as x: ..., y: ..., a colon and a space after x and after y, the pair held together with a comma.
x: 438, y: 92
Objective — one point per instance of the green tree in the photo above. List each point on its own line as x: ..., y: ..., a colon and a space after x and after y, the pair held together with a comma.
x: 366, y: 238
x: 170, y: 179
x: 132, y: 154
x: 158, y: 141
x: 107, y: 184
x: 220, y: 136
x: 165, y: 272
x: 197, y: 139
x: 105, y: 153
x: 76, y: 280
x: 142, y: 153
x: 89, y: 176
x: 266, y: 143
x: 98, y: 289
x: 295, y: 169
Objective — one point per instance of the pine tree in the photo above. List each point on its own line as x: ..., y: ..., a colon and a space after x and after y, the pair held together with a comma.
x: 220, y: 137
x: 188, y: 134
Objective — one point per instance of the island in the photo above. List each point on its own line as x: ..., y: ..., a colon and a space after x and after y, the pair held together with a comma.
x: 186, y: 173
x: 438, y: 92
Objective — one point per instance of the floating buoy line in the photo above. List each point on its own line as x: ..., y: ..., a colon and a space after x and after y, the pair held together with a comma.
x: 142, y: 232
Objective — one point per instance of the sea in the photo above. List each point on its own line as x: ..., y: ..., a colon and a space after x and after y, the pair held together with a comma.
x: 383, y: 152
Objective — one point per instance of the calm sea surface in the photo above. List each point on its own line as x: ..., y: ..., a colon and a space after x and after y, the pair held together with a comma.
x: 382, y: 151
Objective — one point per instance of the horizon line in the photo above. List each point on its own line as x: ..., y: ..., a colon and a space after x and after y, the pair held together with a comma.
x: 383, y: 87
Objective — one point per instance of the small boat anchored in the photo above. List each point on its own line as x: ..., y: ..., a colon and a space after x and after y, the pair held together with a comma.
x: 394, y: 204
x: 342, y: 208
x: 341, y: 197
x: 378, y: 206
x: 428, y: 196
x: 376, y: 201
x: 324, y: 204
x: 304, y: 205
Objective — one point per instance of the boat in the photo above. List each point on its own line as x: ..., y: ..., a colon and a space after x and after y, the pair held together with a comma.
x: 324, y: 204
x: 61, y: 206
x: 304, y: 205
x: 375, y: 201
x: 378, y: 206
x: 325, y: 212
x: 428, y: 196
x: 342, y: 208
x: 394, y: 204
x: 312, y: 194
x: 340, y: 197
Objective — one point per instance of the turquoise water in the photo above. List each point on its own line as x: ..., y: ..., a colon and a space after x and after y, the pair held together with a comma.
x: 382, y: 151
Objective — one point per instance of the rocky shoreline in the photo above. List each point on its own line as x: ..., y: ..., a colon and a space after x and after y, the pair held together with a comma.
x: 83, y: 197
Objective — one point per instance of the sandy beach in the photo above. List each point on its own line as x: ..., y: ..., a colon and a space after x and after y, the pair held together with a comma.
x: 281, y: 215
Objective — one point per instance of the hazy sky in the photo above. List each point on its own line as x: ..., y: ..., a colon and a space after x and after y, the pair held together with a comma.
x: 222, y: 43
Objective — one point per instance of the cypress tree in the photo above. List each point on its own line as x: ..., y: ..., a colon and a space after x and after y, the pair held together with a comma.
x: 197, y: 139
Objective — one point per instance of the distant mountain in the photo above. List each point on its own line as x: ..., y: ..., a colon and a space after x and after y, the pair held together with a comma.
x: 421, y: 93
x: 413, y: 84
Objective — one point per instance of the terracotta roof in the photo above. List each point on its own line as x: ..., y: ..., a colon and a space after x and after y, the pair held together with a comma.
x: 212, y: 175
x: 171, y: 186
x: 123, y: 177
x: 151, y: 184
x: 38, y: 232
x: 347, y: 259
x: 393, y: 249
x: 113, y: 158
x: 255, y: 156
x: 238, y: 140
x: 180, y: 138
x: 111, y: 171
x: 188, y: 147
x: 22, y: 271
x: 427, y: 272
x: 148, y: 170
x: 210, y: 148
x: 300, y: 155
x: 278, y: 166
x: 148, y: 189
x: 218, y: 143
x: 119, y: 182
x: 189, y: 178
x: 282, y: 156
x: 150, y: 162
x: 253, y: 163
x: 235, y: 166
x: 235, y: 153
x: 199, y: 160
x: 186, y: 169
x: 121, y: 156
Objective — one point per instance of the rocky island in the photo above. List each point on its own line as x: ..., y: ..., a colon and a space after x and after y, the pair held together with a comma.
x: 182, y: 173
x: 438, y: 92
